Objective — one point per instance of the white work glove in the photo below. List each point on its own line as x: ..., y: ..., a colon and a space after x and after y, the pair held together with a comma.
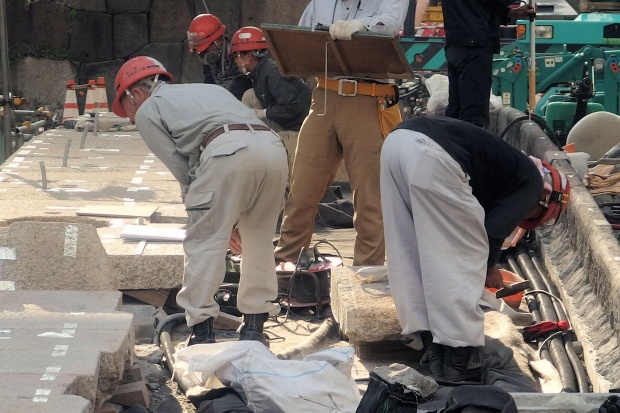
x: 261, y: 114
x: 343, y: 29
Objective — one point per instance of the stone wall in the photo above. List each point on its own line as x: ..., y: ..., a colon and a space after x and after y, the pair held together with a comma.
x: 53, y: 41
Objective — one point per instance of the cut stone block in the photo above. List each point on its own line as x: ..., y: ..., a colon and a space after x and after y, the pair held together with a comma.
x: 131, y: 394
x: 57, y: 256
x: 365, y: 312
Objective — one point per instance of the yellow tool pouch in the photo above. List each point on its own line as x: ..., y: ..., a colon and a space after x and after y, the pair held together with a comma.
x: 388, y: 117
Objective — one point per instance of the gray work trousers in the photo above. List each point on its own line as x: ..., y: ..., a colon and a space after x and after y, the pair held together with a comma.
x: 436, y: 242
x: 240, y: 180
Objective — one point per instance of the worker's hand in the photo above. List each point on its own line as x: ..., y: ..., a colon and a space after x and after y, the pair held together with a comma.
x: 261, y: 114
x: 235, y: 242
x: 343, y: 29
x: 494, y: 278
x: 520, y: 12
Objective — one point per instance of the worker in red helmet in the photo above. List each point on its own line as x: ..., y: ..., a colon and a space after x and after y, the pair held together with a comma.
x: 452, y: 193
x: 281, y: 102
x: 232, y: 171
x: 206, y: 38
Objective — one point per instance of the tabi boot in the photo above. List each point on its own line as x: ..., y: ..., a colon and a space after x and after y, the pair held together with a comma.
x: 433, y: 358
x: 202, y: 333
x: 464, y: 363
x: 252, y: 328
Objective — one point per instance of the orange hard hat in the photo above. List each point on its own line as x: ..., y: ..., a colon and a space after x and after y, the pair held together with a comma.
x: 248, y: 38
x: 134, y: 70
x: 555, y: 202
x: 203, y: 30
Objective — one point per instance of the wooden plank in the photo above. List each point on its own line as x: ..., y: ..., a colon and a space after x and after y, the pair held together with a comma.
x: 156, y: 298
x: 300, y: 51
x: 117, y: 211
x: 386, y: 350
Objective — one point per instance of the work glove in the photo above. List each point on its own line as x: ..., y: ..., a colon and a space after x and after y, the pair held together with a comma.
x: 261, y: 114
x: 343, y: 29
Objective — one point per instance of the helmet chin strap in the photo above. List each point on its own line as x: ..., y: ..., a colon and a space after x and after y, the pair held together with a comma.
x: 155, y: 80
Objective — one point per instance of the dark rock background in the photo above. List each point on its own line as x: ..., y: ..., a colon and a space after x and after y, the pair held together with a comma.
x: 53, y: 41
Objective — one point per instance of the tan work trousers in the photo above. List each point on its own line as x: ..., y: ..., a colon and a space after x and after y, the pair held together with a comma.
x: 289, y: 137
x: 240, y: 180
x: 348, y: 128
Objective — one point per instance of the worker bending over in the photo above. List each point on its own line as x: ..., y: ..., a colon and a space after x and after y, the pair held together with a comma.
x: 451, y: 193
x: 233, y: 173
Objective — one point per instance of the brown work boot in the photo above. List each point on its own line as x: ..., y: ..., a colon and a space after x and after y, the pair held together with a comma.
x: 252, y: 328
x: 432, y: 360
x: 202, y: 333
x: 464, y: 363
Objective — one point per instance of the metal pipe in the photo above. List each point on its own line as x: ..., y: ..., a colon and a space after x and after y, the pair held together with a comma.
x: 32, y: 127
x: 43, y: 175
x: 578, y: 368
x: 556, y: 345
x: 66, y: 155
x: 6, y: 146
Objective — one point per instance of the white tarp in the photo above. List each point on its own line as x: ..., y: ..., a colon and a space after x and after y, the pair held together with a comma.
x: 319, y: 383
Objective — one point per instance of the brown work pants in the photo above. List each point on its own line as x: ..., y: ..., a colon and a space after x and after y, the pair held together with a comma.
x: 348, y: 128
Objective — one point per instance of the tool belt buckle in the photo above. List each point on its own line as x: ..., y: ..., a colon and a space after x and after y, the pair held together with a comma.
x: 342, y: 82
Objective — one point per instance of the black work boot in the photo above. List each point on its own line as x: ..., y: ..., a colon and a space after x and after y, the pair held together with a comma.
x: 464, y: 363
x: 202, y: 333
x: 433, y: 358
x: 252, y: 327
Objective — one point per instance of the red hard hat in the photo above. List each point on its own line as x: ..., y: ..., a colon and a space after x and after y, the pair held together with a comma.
x: 555, y: 202
x: 248, y: 38
x: 134, y: 70
x: 203, y: 30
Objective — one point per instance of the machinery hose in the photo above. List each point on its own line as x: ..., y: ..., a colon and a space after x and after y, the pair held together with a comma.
x: 539, y: 121
x: 168, y: 349
x: 175, y: 319
x: 556, y: 345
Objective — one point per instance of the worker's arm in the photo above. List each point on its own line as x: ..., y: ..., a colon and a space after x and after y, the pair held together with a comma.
x: 286, y: 91
x: 388, y: 19
x: 506, y: 213
x: 162, y: 145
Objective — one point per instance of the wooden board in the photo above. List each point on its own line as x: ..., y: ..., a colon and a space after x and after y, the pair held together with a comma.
x: 300, y: 51
x: 117, y: 211
x: 155, y: 298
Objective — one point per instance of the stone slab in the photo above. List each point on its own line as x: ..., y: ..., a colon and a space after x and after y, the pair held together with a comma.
x: 57, y: 256
x: 365, y: 312
x: 63, y: 343
x: 46, y: 404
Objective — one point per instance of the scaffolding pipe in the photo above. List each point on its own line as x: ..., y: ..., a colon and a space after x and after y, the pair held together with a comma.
x: 32, y: 127
x: 6, y: 147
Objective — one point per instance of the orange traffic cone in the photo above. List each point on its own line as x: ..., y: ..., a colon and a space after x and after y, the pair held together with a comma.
x: 102, y: 98
x: 71, y: 108
x: 89, y: 106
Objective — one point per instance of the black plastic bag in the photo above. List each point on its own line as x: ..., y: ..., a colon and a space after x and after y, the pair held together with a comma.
x: 384, y: 397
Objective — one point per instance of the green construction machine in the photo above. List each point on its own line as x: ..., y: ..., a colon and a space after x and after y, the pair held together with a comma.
x: 577, y: 69
x: 577, y: 64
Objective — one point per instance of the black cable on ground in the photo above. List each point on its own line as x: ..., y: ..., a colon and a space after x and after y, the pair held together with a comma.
x: 556, y: 345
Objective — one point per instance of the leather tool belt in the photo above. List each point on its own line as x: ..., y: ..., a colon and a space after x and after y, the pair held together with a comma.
x: 228, y: 127
x: 387, y: 92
